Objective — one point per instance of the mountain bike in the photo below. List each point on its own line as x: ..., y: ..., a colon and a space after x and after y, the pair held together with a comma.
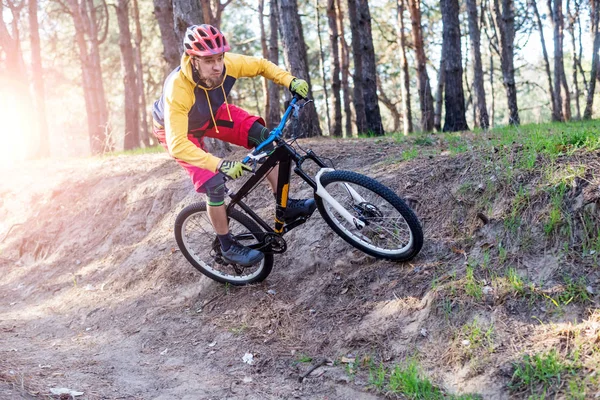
x: 361, y: 210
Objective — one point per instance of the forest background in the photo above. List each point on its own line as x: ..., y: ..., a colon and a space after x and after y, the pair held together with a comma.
x: 79, y: 77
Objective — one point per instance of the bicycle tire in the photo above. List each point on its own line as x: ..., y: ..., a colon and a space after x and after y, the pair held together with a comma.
x: 378, y: 225
x: 202, y: 254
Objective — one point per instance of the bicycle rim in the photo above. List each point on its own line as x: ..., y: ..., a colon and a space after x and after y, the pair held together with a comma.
x: 391, y: 229
x: 199, y: 244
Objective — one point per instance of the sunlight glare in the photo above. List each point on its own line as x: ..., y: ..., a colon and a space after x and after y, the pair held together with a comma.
x: 18, y: 124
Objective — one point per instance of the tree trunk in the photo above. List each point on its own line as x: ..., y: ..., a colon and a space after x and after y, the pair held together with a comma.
x: 185, y: 13
x: 163, y: 11
x: 369, y: 69
x: 307, y: 125
x: 358, y: 98
x: 423, y: 83
x: 439, y: 94
x: 43, y: 145
x: 336, y: 127
x: 139, y: 69
x: 273, y: 90
x: 493, y: 92
x: 556, y: 113
x: 86, y: 24
x: 131, y: 104
x: 322, y: 65
x: 595, y: 18
x: 345, y: 68
x: 505, y: 26
x: 405, y: 77
x: 480, y: 103
x: 572, y: 17
x: 265, y: 53
x: 391, y: 106
x: 454, y: 97
x: 560, y: 79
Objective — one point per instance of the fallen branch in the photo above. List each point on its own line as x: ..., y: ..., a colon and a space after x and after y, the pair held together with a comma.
x: 317, y: 365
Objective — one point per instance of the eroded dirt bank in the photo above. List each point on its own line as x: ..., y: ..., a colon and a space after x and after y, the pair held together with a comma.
x: 95, y: 296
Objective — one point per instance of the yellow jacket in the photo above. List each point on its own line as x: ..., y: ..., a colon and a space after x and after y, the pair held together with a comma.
x: 185, y: 105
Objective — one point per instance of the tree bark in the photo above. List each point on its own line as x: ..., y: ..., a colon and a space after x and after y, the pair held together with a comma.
x: 556, y: 113
x: 131, y: 103
x: 455, y: 119
x: 265, y: 53
x: 595, y: 18
x: 336, y: 127
x: 274, y: 90
x: 185, y: 13
x: 560, y: 79
x: 572, y: 18
x: 86, y: 24
x: 213, y: 10
x: 322, y: 64
x: 439, y: 94
x: 369, y: 69
x: 307, y: 125
x: 423, y: 83
x: 391, y: 106
x: 358, y: 98
x: 345, y: 69
x: 505, y: 25
x: 481, y: 113
x: 139, y: 70
x: 404, y: 73
x: 163, y: 11
x: 43, y: 146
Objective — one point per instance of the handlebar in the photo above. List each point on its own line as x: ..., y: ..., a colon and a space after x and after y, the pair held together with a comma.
x: 275, y: 133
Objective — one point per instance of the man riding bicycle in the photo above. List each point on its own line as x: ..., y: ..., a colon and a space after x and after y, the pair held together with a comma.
x: 194, y: 106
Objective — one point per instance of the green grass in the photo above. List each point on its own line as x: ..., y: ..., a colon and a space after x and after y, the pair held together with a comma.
x: 516, y: 282
x: 410, y: 154
x: 478, y: 336
x: 409, y: 381
x: 303, y: 358
x: 377, y: 376
x: 473, y: 287
x: 541, y: 372
x: 141, y: 150
x: 555, y: 216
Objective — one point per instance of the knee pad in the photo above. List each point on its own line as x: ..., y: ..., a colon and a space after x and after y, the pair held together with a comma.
x: 215, y: 190
x: 257, y: 134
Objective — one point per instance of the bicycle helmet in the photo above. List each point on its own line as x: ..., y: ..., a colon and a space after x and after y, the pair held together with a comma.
x: 204, y: 40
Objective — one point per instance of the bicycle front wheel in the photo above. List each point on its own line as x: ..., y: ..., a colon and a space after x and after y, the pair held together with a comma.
x: 199, y: 244
x: 391, y: 231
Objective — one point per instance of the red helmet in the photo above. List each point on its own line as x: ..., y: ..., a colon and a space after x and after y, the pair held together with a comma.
x: 204, y: 40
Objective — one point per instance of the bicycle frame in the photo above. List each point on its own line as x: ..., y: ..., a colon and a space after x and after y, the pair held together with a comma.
x: 284, y: 155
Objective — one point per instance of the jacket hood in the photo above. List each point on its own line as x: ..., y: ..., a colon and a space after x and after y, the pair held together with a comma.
x: 186, y: 67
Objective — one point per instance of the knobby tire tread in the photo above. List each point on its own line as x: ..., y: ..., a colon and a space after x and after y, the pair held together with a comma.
x: 240, y: 217
x: 385, y: 193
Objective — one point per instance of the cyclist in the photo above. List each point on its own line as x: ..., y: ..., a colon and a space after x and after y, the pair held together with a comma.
x: 194, y: 106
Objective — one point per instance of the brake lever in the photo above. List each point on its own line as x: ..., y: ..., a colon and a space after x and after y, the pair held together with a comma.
x: 298, y: 106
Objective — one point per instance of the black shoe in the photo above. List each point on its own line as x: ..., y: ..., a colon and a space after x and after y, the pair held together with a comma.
x: 298, y: 208
x: 241, y: 255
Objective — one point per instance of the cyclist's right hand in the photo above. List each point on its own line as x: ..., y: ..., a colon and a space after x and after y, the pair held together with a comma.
x: 233, y: 169
x: 299, y: 87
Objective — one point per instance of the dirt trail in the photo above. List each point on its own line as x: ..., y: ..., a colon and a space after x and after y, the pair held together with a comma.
x: 95, y: 296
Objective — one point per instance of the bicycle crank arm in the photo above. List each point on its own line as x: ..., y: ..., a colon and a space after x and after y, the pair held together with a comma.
x: 324, y: 194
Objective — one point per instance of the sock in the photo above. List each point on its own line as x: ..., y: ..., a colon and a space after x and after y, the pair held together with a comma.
x: 226, y: 241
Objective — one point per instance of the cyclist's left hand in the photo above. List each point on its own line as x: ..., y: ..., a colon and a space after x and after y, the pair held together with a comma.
x: 300, y: 87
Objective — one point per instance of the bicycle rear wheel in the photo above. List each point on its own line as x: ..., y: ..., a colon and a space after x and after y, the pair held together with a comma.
x: 392, y: 230
x: 199, y: 244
